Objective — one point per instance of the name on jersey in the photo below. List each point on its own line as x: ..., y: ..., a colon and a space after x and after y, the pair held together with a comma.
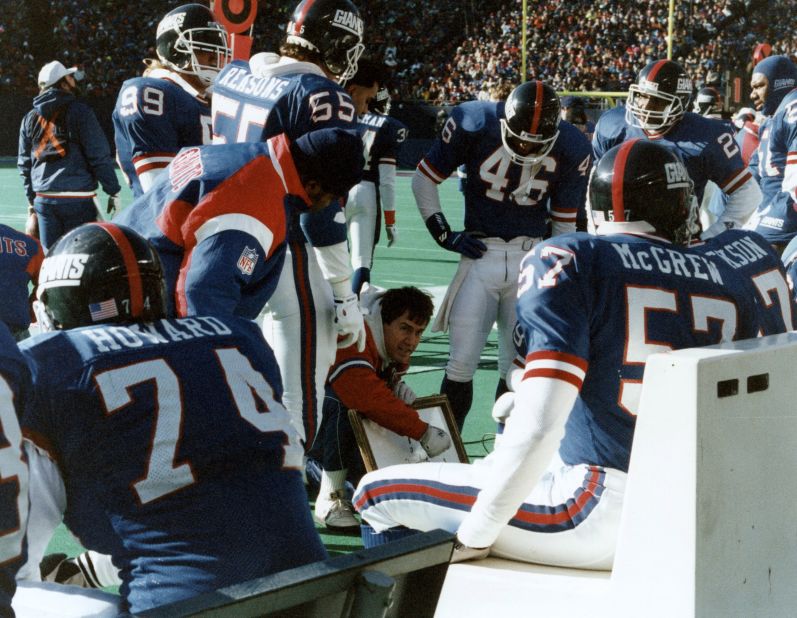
x: 372, y: 120
x: 107, y: 338
x: 241, y: 80
x: 348, y: 21
x: 13, y: 245
x: 667, y: 261
x: 740, y: 253
x: 64, y: 270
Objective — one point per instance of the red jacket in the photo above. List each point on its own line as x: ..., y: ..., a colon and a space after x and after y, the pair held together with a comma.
x: 365, y: 382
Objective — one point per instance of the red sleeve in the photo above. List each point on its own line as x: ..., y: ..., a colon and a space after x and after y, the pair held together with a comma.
x: 356, y: 383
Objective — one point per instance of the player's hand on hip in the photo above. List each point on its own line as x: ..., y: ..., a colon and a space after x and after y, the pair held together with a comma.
x: 349, y: 322
x: 392, y: 234
x: 464, y: 243
x: 435, y: 441
x: 405, y: 393
x: 463, y: 553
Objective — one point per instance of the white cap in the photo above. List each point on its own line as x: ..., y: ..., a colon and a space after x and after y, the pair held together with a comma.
x: 52, y: 72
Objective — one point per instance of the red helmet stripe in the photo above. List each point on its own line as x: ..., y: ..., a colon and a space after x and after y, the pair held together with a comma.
x: 656, y: 68
x: 618, y: 176
x: 535, y: 120
x: 131, y: 266
x: 297, y: 26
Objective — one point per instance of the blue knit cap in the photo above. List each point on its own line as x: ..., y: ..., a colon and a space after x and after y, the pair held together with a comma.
x: 333, y: 157
x: 781, y: 73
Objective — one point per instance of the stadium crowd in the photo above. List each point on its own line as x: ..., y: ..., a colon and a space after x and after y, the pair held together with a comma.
x: 578, y: 45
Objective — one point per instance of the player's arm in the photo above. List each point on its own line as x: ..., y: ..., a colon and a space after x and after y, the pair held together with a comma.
x: 433, y: 169
x: 569, y: 196
x: 387, y: 184
x: 606, y: 134
x: 552, y: 315
x: 97, y: 151
x: 725, y: 167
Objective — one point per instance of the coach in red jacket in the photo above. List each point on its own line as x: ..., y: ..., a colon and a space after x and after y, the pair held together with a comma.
x: 371, y: 382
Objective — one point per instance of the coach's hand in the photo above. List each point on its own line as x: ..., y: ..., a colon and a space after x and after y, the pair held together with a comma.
x: 113, y: 204
x: 349, y: 322
x: 392, y: 234
x: 32, y: 224
x: 435, y: 441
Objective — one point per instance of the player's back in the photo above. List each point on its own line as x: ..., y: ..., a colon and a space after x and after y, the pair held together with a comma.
x: 612, y: 301
x: 20, y: 260
x: 172, y: 432
x: 250, y: 107
x: 154, y: 117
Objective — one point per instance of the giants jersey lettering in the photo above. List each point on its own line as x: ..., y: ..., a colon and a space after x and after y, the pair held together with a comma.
x: 14, y: 392
x: 153, y: 119
x: 218, y: 220
x: 155, y: 427
x: 591, y: 309
x: 20, y: 259
x: 705, y: 145
x: 382, y: 136
x: 503, y: 199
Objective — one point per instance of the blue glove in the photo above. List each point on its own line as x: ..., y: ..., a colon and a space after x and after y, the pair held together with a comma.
x: 461, y: 242
x: 464, y: 243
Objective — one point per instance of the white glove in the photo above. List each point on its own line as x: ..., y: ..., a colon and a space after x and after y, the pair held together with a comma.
x: 463, y: 553
x: 392, y: 234
x: 113, y: 204
x: 503, y: 407
x: 435, y: 441
x: 349, y: 322
x: 405, y: 393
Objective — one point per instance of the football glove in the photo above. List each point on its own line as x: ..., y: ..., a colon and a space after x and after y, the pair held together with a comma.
x: 392, y: 234
x: 405, y: 393
x: 435, y: 441
x: 349, y: 322
x: 113, y: 204
x: 459, y: 242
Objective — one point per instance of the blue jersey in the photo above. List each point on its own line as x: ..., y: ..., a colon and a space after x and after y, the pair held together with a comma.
x: 15, y: 390
x: 176, y: 454
x: 217, y: 218
x: 592, y: 308
x: 382, y: 136
x: 778, y: 170
x: 20, y: 259
x: 503, y: 199
x: 154, y: 117
x: 289, y: 100
x: 705, y: 145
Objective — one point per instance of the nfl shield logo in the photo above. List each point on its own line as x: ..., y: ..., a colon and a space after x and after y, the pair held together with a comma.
x: 247, y: 261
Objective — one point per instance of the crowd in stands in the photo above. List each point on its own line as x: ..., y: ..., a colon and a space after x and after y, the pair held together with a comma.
x: 444, y: 51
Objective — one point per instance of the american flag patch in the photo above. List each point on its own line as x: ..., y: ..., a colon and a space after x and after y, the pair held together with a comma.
x: 247, y: 261
x: 103, y: 310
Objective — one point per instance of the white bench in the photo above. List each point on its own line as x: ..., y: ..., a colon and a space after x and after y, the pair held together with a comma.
x: 710, y: 520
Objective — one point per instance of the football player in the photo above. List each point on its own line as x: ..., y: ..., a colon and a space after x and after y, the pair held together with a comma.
x: 293, y: 93
x: 14, y: 392
x: 382, y: 136
x: 708, y: 103
x: 525, y: 168
x: 774, y: 95
x: 657, y: 110
x: 167, y: 108
x: 591, y: 308
x: 218, y: 216
x: 198, y: 456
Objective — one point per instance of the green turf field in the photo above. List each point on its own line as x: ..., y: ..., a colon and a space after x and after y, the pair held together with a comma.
x: 414, y: 260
